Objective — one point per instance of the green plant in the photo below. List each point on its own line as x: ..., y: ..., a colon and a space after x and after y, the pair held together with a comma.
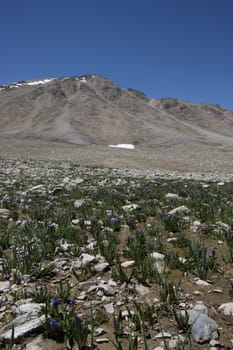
x: 62, y: 321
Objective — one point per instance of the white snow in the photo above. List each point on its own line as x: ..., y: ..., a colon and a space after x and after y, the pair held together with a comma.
x: 83, y: 80
x: 37, y: 82
x: 123, y: 145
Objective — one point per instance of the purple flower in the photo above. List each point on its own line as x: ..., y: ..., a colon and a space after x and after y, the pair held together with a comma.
x: 6, y: 199
x: 55, y: 324
x: 213, y: 253
x: 128, y: 240
x: 55, y: 301
x: 6, y: 276
x: 72, y: 301
x: 48, y: 205
x: 114, y: 219
x: 109, y: 213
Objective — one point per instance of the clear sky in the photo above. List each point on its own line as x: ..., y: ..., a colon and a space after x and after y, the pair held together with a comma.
x: 166, y: 48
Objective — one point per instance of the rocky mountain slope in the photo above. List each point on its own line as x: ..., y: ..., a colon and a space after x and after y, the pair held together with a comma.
x: 91, y: 109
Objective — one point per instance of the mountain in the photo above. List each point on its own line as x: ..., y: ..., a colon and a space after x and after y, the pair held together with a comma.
x: 91, y: 109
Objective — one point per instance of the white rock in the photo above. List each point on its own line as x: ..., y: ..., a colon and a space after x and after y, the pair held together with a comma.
x: 128, y: 263
x: 171, y: 196
x: 204, y: 328
x: 101, y: 267
x: 181, y: 210
x: 200, y: 307
x: 30, y: 308
x: 157, y: 256
x: 162, y: 335
x: 102, y: 340
x: 226, y: 309
x: 107, y: 289
x: 142, y: 290
x: 109, y: 308
x: 4, y: 213
x: 75, y: 222
x: 200, y: 282
x: 130, y: 207
x: 173, y: 343
x: 86, y: 259
x: 4, y: 285
x: 78, y: 203
x: 24, y: 329
x: 99, y: 331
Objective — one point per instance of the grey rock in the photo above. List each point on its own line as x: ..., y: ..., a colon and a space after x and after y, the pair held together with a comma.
x: 179, y: 210
x: 4, y: 213
x: 28, y: 308
x: 4, y: 285
x: 102, y: 340
x: 128, y: 263
x: 109, y: 308
x: 107, y: 289
x: 157, y: 256
x: 78, y: 203
x: 226, y: 309
x: 130, y: 207
x: 86, y: 259
x: 22, y: 329
x: 102, y: 267
x: 141, y: 290
x: 204, y: 328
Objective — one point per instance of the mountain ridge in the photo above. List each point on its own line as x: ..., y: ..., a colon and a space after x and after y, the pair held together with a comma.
x: 91, y: 109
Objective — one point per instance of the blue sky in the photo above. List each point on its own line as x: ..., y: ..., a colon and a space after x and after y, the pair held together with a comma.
x: 166, y: 48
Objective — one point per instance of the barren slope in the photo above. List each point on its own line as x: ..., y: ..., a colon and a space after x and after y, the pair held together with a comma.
x: 93, y: 110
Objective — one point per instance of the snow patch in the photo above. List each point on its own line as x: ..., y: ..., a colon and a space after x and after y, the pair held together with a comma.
x: 38, y: 82
x: 123, y: 145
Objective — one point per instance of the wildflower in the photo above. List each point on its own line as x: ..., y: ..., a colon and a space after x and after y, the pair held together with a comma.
x: 55, y: 301
x: 48, y: 205
x: 6, y: 276
x: 109, y: 213
x: 72, y: 301
x: 114, y: 219
x: 55, y: 324
x: 128, y: 240
x: 6, y: 199
x: 213, y: 253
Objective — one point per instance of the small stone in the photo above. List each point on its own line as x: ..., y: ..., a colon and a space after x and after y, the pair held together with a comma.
x: 171, y: 196
x: 102, y: 267
x: 102, y: 340
x: 130, y: 207
x: 157, y: 256
x: 163, y: 335
x: 109, y: 308
x: 181, y: 210
x: 4, y: 285
x: 30, y: 308
x: 226, y: 309
x: 128, y: 263
x: 4, y: 213
x: 200, y: 282
x: 75, y: 222
x: 142, y: 290
x: 99, y: 331
x: 107, y: 289
x: 86, y: 259
x: 78, y: 203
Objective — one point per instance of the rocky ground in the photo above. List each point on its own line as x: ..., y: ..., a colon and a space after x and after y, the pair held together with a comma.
x: 135, y: 254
